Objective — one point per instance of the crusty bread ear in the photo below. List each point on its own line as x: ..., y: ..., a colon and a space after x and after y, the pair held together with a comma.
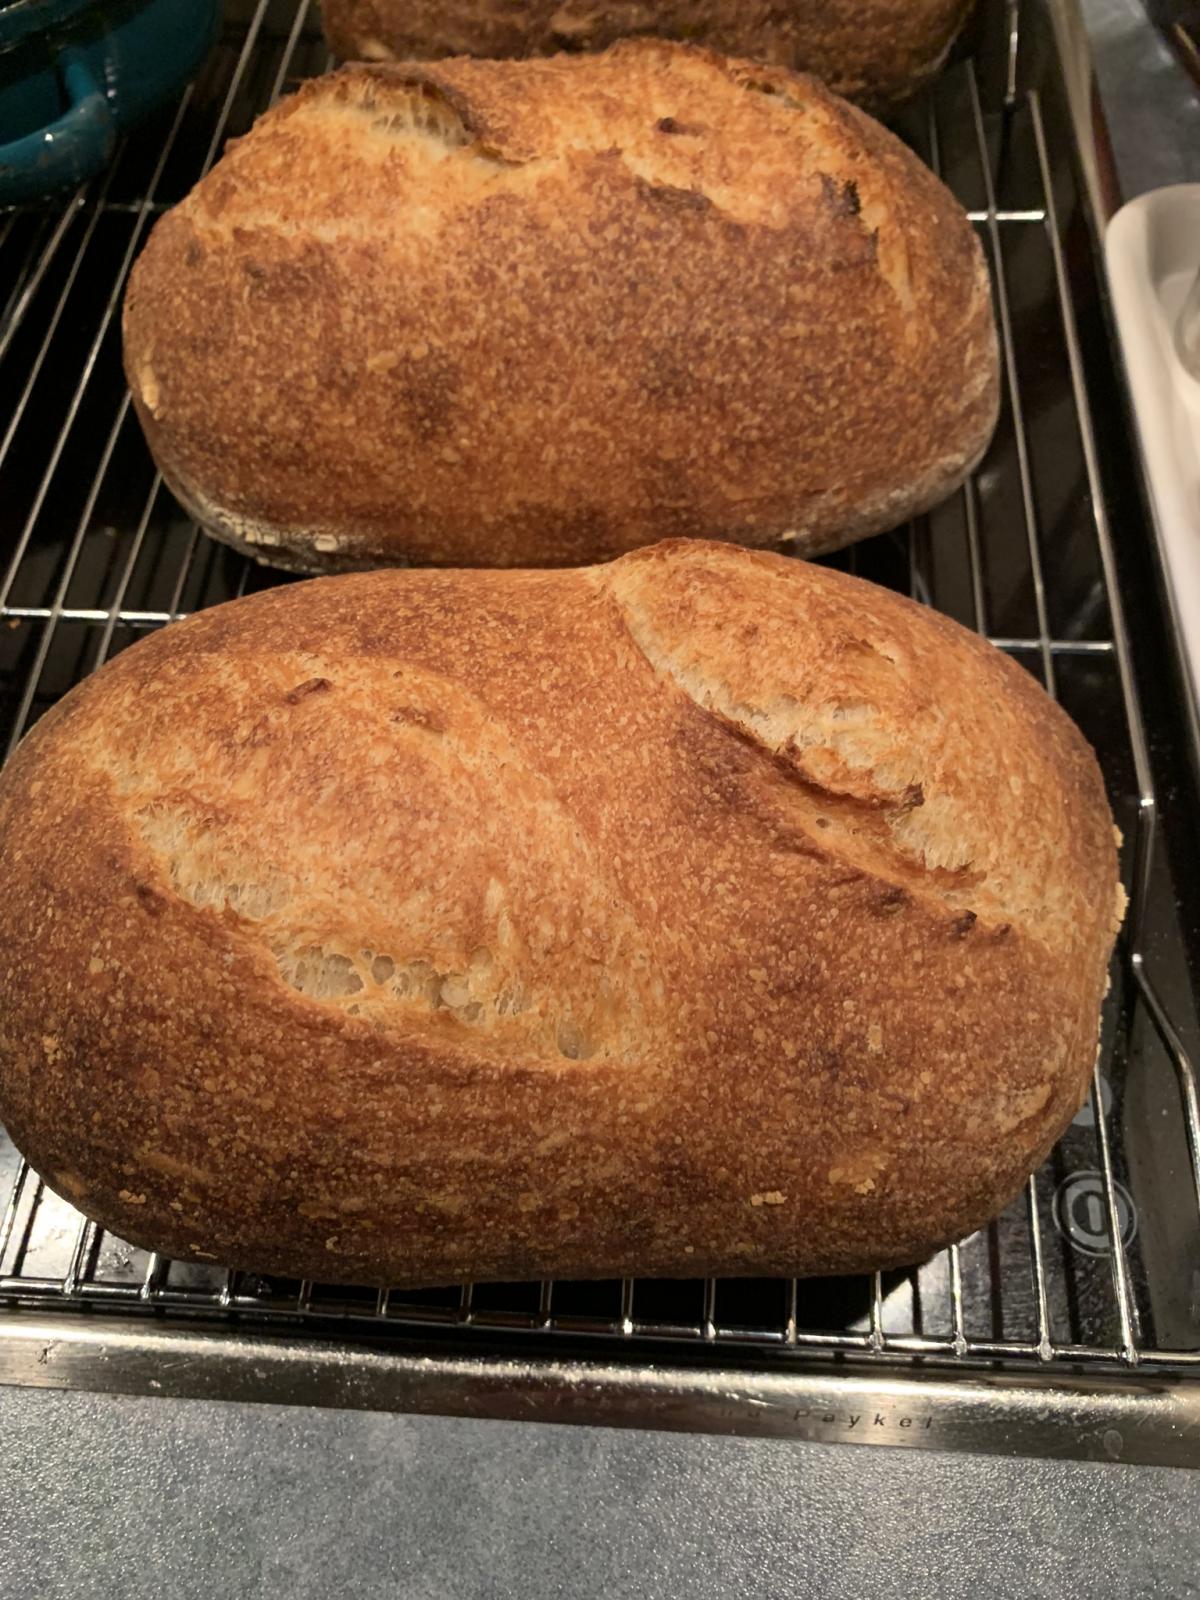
x: 494, y: 314
x: 704, y: 913
x: 877, y: 52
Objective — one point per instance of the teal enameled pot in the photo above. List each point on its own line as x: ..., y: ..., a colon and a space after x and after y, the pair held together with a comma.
x: 74, y: 74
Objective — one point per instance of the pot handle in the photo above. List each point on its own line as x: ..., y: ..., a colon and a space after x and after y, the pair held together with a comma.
x: 68, y: 149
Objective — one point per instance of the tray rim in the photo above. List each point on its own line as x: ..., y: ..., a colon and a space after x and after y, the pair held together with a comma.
x: 1148, y: 1419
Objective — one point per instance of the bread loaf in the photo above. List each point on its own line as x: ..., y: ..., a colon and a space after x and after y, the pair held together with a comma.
x: 703, y: 913
x: 541, y: 313
x: 874, y: 51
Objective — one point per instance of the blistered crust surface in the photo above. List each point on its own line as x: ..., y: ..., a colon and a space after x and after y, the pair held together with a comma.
x: 678, y: 916
x: 877, y: 51
x: 491, y: 314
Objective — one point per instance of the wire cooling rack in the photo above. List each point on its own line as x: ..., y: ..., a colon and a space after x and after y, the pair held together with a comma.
x: 1098, y: 1262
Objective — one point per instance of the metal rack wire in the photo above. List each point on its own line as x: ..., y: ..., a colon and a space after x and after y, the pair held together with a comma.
x: 1099, y: 1262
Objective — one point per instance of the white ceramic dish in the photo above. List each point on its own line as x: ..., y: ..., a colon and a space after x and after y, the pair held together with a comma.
x: 1153, y: 251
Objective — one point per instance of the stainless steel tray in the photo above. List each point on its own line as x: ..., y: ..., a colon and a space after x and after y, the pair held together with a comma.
x: 1072, y: 1324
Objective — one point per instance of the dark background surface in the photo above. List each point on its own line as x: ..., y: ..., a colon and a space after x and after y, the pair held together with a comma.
x: 1180, y: 21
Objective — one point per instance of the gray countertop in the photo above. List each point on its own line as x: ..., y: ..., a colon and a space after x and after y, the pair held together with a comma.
x: 142, y: 1499
x: 111, y: 1496
x: 1152, y: 109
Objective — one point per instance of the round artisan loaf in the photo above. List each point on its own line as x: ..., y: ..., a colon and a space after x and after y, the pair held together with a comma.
x: 874, y: 51
x: 541, y: 313
x: 704, y: 913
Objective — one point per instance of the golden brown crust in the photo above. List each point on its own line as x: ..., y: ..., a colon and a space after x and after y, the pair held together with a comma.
x: 409, y: 927
x: 875, y: 51
x: 484, y: 313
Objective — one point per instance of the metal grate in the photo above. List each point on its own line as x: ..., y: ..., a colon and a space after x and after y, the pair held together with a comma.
x: 1099, y: 1261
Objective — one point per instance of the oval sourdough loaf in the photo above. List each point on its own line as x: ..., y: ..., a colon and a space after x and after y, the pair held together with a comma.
x: 540, y: 313
x: 701, y: 913
x: 876, y: 51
